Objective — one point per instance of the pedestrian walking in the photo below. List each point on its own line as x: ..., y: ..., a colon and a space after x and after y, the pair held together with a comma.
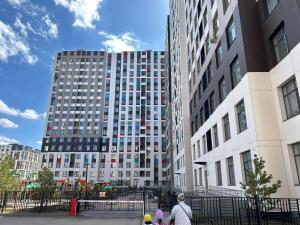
x: 181, y: 213
x: 159, y: 216
x: 148, y: 219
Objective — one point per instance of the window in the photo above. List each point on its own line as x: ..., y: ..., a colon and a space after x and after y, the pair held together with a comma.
x: 241, y: 116
x: 212, y: 104
x: 225, y: 5
x: 194, y: 152
x: 205, y: 19
x: 207, y: 47
x: 231, y: 32
x: 202, y: 116
x: 271, y: 4
x: 208, y: 140
x: 216, y: 137
x: 247, y: 164
x: 222, y: 89
x: 204, y: 146
x: 296, y: 153
x: 216, y: 23
x: 202, y: 54
x: 235, y: 71
x: 219, y: 173
x: 219, y: 55
x: 199, y: 8
x: 280, y: 45
x: 192, y: 128
x: 195, y: 177
x: 291, y: 98
x: 209, y: 73
x: 198, y: 149
x: 230, y: 169
x: 226, y: 127
x: 200, y: 90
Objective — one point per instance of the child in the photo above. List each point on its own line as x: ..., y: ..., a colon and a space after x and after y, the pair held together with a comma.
x: 159, y: 216
x: 148, y: 219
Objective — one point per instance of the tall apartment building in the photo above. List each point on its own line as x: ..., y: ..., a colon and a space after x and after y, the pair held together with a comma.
x: 27, y: 160
x: 169, y: 121
x: 107, y: 117
x: 177, y: 59
x: 243, y: 72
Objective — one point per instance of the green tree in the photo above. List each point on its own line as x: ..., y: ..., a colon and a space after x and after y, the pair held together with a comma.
x: 45, y: 179
x: 258, y: 181
x: 8, y: 180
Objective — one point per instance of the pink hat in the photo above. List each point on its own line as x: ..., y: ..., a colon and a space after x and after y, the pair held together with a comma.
x: 159, y: 214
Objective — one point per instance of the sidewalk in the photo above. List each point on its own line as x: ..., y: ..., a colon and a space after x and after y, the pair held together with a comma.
x: 40, y: 219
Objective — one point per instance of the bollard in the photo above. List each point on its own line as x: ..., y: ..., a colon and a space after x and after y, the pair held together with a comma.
x: 73, y: 207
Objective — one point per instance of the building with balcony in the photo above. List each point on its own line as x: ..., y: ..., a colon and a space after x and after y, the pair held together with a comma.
x: 107, y: 117
x: 27, y: 160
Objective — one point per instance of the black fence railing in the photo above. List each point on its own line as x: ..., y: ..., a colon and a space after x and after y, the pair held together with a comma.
x: 2, y: 201
x: 125, y: 200
x: 35, y: 201
x: 241, y: 210
x: 110, y: 205
x: 214, y: 210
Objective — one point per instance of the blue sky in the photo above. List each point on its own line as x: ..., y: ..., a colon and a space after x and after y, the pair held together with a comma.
x: 32, y: 31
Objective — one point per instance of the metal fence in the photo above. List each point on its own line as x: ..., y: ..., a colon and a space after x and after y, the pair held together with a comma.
x: 35, y: 201
x: 207, y: 210
x: 241, y: 210
x: 125, y: 202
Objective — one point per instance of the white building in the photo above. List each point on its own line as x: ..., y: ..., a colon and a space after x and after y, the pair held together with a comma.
x: 27, y: 160
x: 177, y: 56
x: 243, y: 71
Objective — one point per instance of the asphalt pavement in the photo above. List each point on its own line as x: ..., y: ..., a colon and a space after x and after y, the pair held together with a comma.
x: 66, y: 220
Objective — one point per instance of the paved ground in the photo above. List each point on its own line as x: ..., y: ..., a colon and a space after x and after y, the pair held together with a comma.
x: 60, y: 220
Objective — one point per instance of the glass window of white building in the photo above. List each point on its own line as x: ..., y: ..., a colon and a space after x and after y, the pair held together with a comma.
x: 241, y: 116
x: 291, y: 98
x: 230, y: 171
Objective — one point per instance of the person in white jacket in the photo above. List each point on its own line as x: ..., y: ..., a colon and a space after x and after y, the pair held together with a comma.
x: 181, y: 213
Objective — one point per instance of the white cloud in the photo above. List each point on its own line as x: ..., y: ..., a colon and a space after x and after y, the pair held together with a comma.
x: 33, y: 10
x: 27, y: 113
x: 23, y: 27
x: 27, y: 7
x: 30, y: 114
x: 16, y: 3
x: 122, y: 42
x: 5, y: 140
x: 85, y: 11
x: 11, y: 44
x: 39, y: 142
x: 48, y: 29
x: 7, y: 123
x: 52, y: 27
